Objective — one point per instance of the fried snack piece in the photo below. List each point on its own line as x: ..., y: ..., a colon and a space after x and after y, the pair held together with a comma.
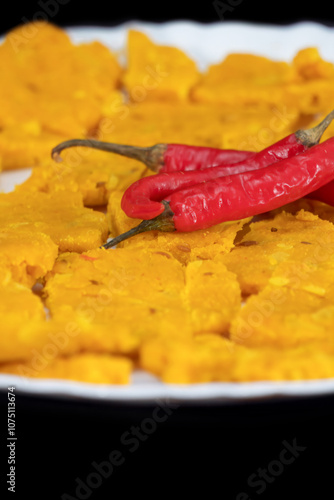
x: 93, y: 174
x: 311, y: 66
x: 211, y: 358
x: 121, y: 297
x: 118, y: 297
x: 63, y: 218
x: 85, y: 367
x: 20, y: 331
x: 50, y: 86
x: 314, y: 94
x: 283, y: 317
x: 204, y: 358
x: 297, y: 305
x: 271, y: 241
x: 150, y: 122
x: 201, y: 124
x: 156, y: 72
x: 50, y: 65
x: 256, y: 131
x: 211, y: 305
x: 246, y: 81
x: 185, y: 247
x: 26, y: 145
x: 27, y: 254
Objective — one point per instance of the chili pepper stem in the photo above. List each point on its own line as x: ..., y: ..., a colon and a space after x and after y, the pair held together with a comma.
x: 163, y: 222
x: 151, y: 156
x: 312, y: 136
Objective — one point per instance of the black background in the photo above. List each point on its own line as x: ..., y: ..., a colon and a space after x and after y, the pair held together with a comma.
x: 210, y: 448
x: 108, y: 12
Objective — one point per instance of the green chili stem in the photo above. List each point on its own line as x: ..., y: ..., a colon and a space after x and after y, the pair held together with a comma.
x: 163, y: 222
x: 151, y: 156
x: 312, y: 136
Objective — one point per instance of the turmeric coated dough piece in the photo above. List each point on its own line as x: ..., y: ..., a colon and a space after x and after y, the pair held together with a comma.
x: 26, y: 145
x: 246, y: 81
x: 255, y: 82
x: 87, y: 367
x: 157, y: 72
x: 268, y: 242
x: 50, y: 86
x: 212, y: 358
x: 296, y: 307
x: 185, y: 247
x: 20, y: 330
x: 121, y: 297
x: 314, y: 93
x: 27, y: 254
x: 93, y: 174
x: 283, y: 317
x: 63, y: 218
x: 202, y: 124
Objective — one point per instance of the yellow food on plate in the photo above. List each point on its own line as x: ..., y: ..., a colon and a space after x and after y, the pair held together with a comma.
x: 26, y: 253
x: 121, y: 297
x: 26, y: 145
x: 88, y: 368
x: 282, y: 317
x: 201, y: 124
x: 20, y: 330
x: 185, y: 247
x: 157, y: 72
x: 242, y: 301
x: 49, y: 85
x: 314, y: 94
x: 266, y: 243
x: 211, y: 358
x: 70, y: 225
x: 92, y: 174
x: 246, y: 81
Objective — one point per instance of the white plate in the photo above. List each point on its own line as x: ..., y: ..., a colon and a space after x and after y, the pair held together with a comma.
x: 206, y: 44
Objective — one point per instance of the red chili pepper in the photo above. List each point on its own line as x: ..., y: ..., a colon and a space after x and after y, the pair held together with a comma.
x: 162, y: 157
x: 142, y: 199
x: 242, y: 195
x: 324, y: 194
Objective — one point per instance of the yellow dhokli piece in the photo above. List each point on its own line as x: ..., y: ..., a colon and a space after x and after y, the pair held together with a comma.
x: 26, y: 145
x: 202, y: 124
x: 283, y: 317
x: 296, y: 307
x: 87, y: 367
x: 121, y: 297
x: 314, y: 92
x: 211, y: 358
x: 311, y: 66
x: 157, y: 72
x: 247, y: 81
x: 254, y: 131
x: 50, y: 86
x: 27, y: 254
x: 256, y: 82
x: 69, y: 224
x: 92, y: 174
x: 185, y: 247
x: 267, y: 243
x: 19, y: 331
